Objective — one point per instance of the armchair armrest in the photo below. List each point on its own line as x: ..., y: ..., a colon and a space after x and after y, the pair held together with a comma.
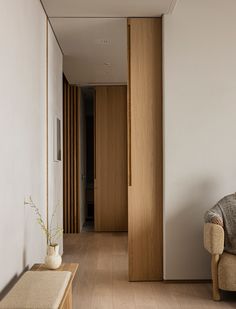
x: 213, y: 238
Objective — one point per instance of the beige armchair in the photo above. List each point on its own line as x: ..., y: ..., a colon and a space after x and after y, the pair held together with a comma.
x: 223, y: 264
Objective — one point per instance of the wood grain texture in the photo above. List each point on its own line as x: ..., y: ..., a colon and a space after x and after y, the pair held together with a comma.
x: 94, y: 138
x: 129, y: 111
x: 68, y: 159
x: 66, y: 302
x: 145, y: 194
x: 71, y: 148
x: 72, y: 217
x: 65, y: 147
x: 78, y: 150
x: 111, y: 209
x: 103, y: 279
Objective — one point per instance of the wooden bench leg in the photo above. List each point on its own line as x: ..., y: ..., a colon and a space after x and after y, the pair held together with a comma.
x: 214, y: 272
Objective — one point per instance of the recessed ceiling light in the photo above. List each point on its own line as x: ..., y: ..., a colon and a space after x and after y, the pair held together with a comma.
x: 103, y: 41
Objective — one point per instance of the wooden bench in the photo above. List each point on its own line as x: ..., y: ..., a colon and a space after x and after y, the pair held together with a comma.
x: 42, y: 288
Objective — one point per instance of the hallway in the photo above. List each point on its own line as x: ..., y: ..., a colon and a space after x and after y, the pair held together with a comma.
x: 102, y: 282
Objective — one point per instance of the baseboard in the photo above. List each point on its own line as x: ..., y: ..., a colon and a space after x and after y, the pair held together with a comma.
x: 189, y: 281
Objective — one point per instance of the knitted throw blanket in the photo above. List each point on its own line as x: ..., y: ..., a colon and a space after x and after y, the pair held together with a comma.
x: 226, y: 210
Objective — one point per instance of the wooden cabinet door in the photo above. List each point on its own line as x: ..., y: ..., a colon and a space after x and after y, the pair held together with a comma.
x: 111, y: 210
x: 145, y: 149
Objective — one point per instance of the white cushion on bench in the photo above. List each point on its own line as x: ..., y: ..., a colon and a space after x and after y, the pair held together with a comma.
x: 37, y: 289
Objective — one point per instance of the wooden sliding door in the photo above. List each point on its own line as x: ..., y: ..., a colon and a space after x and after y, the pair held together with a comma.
x: 111, y: 211
x: 145, y: 149
x: 71, y: 107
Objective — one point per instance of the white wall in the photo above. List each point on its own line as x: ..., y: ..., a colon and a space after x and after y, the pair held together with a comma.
x: 199, y: 127
x: 23, y: 133
x: 55, y: 168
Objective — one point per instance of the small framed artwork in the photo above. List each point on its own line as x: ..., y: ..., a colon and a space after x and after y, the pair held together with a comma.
x: 57, y: 139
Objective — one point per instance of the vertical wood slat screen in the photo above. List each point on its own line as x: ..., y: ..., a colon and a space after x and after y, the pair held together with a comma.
x: 71, y: 158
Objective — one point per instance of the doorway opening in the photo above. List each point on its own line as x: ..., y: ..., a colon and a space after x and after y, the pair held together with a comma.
x: 87, y: 157
x: 126, y: 139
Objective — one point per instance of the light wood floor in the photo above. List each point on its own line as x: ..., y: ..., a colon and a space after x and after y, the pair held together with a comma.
x: 102, y: 282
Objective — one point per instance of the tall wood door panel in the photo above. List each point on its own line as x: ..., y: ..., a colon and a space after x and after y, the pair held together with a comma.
x: 111, y: 194
x: 145, y: 149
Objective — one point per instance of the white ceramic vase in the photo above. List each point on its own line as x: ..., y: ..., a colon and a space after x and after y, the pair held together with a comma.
x: 53, y: 258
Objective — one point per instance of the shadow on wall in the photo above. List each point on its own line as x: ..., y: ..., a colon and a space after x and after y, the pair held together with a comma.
x: 16, y: 277
x: 186, y: 257
x: 11, y: 283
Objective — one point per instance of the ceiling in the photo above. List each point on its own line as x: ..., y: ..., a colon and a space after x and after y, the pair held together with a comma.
x: 108, y: 8
x: 95, y: 49
x: 93, y: 35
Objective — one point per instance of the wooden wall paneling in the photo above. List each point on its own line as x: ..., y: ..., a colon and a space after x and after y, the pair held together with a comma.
x: 111, y: 207
x: 72, y: 159
x: 78, y: 173
x: 129, y: 112
x: 65, y: 154
x: 63, y: 145
x: 145, y: 192
x: 95, y: 160
x: 69, y: 159
x: 75, y: 158
x: 71, y: 106
x: 94, y: 136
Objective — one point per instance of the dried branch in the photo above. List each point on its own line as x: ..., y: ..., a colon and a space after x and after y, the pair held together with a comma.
x: 52, y: 234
